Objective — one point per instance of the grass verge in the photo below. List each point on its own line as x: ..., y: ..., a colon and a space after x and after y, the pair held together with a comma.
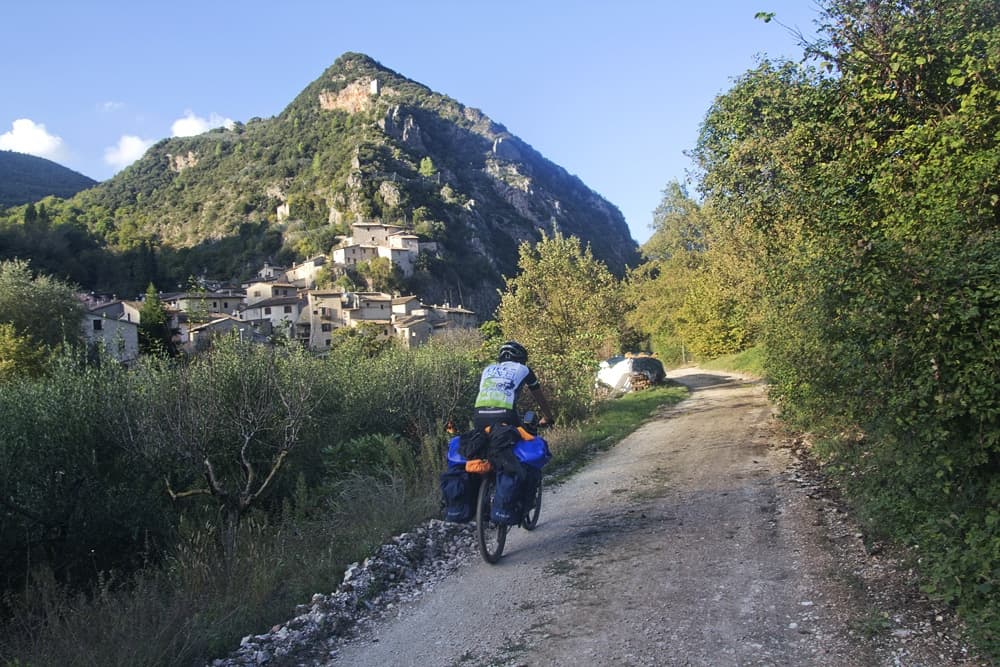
x: 612, y: 420
x: 750, y: 362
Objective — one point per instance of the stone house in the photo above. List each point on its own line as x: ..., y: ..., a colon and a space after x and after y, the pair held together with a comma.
x: 262, y: 290
x: 274, y: 315
x: 455, y: 317
x: 271, y: 273
x: 118, y: 337
x: 373, y: 233
x: 210, y: 304
x: 200, y: 336
x: 118, y: 310
x: 304, y: 275
x: 368, y: 308
x: 411, y: 330
x: 324, y: 313
x: 370, y: 240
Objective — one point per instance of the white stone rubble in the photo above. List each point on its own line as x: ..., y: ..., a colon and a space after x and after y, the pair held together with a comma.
x: 398, y: 571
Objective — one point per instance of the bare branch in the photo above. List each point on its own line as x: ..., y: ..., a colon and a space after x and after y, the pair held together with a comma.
x: 267, y: 482
x: 185, y: 494
x: 213, y: 481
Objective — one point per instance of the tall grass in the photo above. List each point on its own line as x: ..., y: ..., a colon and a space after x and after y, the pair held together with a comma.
x: 190, y: 607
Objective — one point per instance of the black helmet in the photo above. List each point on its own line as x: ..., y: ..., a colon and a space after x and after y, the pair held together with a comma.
x: 513, y: 351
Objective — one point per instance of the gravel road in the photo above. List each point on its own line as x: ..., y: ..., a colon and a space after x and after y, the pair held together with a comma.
x: 701, y: 539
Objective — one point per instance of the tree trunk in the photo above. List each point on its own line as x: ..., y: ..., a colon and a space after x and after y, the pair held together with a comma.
x: 229, y: 529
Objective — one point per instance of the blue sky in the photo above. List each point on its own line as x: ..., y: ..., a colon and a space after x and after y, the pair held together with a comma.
x: 614, y: 92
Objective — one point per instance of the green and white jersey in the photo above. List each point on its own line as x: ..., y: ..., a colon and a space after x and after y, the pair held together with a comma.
x: 501, y: 383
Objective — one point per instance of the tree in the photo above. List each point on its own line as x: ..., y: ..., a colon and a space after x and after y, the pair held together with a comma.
x: 381, y: 274
x: 658, y: 288
x: 567, y: 309
x: 18, y: 354
x: 71, y: 497
x: 198, y: 311
x: 679, y: 226
x: 221, y: 427
x: 41, y: 308
x: 155, y: 336
x: 427, y: 168
x: 863, y: 206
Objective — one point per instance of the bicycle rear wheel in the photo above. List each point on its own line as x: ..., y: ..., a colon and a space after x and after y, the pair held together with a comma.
x: 531, y: 516
x: 491, y: 536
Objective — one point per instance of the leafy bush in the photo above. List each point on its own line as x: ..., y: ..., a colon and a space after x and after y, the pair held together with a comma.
x: 866, y: 205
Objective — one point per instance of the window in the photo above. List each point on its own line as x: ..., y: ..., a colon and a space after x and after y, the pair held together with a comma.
x: 327, y: 326
x: 267, y: 311
x: 256, y: 292
x: 288, y: 309
x: 328, y: 342
x: 98, y: 325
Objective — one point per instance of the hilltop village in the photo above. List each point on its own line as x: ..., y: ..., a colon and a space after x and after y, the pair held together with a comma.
x: 286, y: 303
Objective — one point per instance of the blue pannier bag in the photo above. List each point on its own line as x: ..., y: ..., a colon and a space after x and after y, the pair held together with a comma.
x: 534, y: 452
x: 506, y: 507
x: 455, y: 459
x: 460, y: 491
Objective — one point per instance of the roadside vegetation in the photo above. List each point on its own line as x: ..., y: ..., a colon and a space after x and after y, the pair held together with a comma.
x: 104, y: 567
x: 846, y: 226
x: 750, y: 362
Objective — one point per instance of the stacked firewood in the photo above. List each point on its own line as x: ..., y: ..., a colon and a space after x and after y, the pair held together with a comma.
x: 639, y: 381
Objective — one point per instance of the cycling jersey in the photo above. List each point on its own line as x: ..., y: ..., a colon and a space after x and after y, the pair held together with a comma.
x: 499, y: 388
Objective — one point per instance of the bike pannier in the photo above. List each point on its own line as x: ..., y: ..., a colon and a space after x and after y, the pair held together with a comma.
x: 506, y: 507
x: 455, y: 458
x: 460, y: 490
x: 534, y: 452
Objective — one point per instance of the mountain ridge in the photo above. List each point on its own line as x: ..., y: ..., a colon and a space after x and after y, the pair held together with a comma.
x: 26, y: 178
x: 359, y: 143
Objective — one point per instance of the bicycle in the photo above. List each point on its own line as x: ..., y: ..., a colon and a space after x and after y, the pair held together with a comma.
x: 491, y: 536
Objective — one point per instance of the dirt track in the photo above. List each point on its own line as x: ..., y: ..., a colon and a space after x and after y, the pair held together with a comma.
x: 698, y: 540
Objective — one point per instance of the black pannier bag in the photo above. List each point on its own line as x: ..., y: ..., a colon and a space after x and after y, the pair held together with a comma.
x: 515, y: 495
x: 507, y: 499
x: 460, y: 491
x: 473, y: 444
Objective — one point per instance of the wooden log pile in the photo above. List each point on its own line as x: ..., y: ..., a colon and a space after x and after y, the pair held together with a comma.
x: 639, y: 381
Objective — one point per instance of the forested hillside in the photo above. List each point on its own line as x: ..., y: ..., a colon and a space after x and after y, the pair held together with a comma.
x: 849, y: 224
x: 361, y: 143
x: 27, y: 178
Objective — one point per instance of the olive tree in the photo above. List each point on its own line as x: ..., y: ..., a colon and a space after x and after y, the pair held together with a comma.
x: 221, y: 427
x: 40, y: 307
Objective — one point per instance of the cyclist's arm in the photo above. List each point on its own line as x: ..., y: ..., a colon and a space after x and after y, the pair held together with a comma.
x: 543, y: 403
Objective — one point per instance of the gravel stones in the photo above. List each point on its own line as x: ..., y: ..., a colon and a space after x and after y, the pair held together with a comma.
x: 399, y: 570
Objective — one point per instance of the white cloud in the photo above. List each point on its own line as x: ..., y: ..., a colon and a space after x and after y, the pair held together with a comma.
x: 129, y: 149
x: 191, y: 124
x: 111, y: 106
x: 27, y: 136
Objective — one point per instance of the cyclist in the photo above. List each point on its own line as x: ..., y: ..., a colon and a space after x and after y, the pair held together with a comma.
x: 500, y: 386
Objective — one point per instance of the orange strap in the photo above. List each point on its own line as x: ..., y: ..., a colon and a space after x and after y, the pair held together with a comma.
x: 479, y: 466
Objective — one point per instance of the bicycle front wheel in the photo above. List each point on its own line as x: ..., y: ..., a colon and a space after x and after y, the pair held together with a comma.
x: 531, y: 516
x: 491, y: 536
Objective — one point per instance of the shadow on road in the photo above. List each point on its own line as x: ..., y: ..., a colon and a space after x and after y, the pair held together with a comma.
x: 698, y: 381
